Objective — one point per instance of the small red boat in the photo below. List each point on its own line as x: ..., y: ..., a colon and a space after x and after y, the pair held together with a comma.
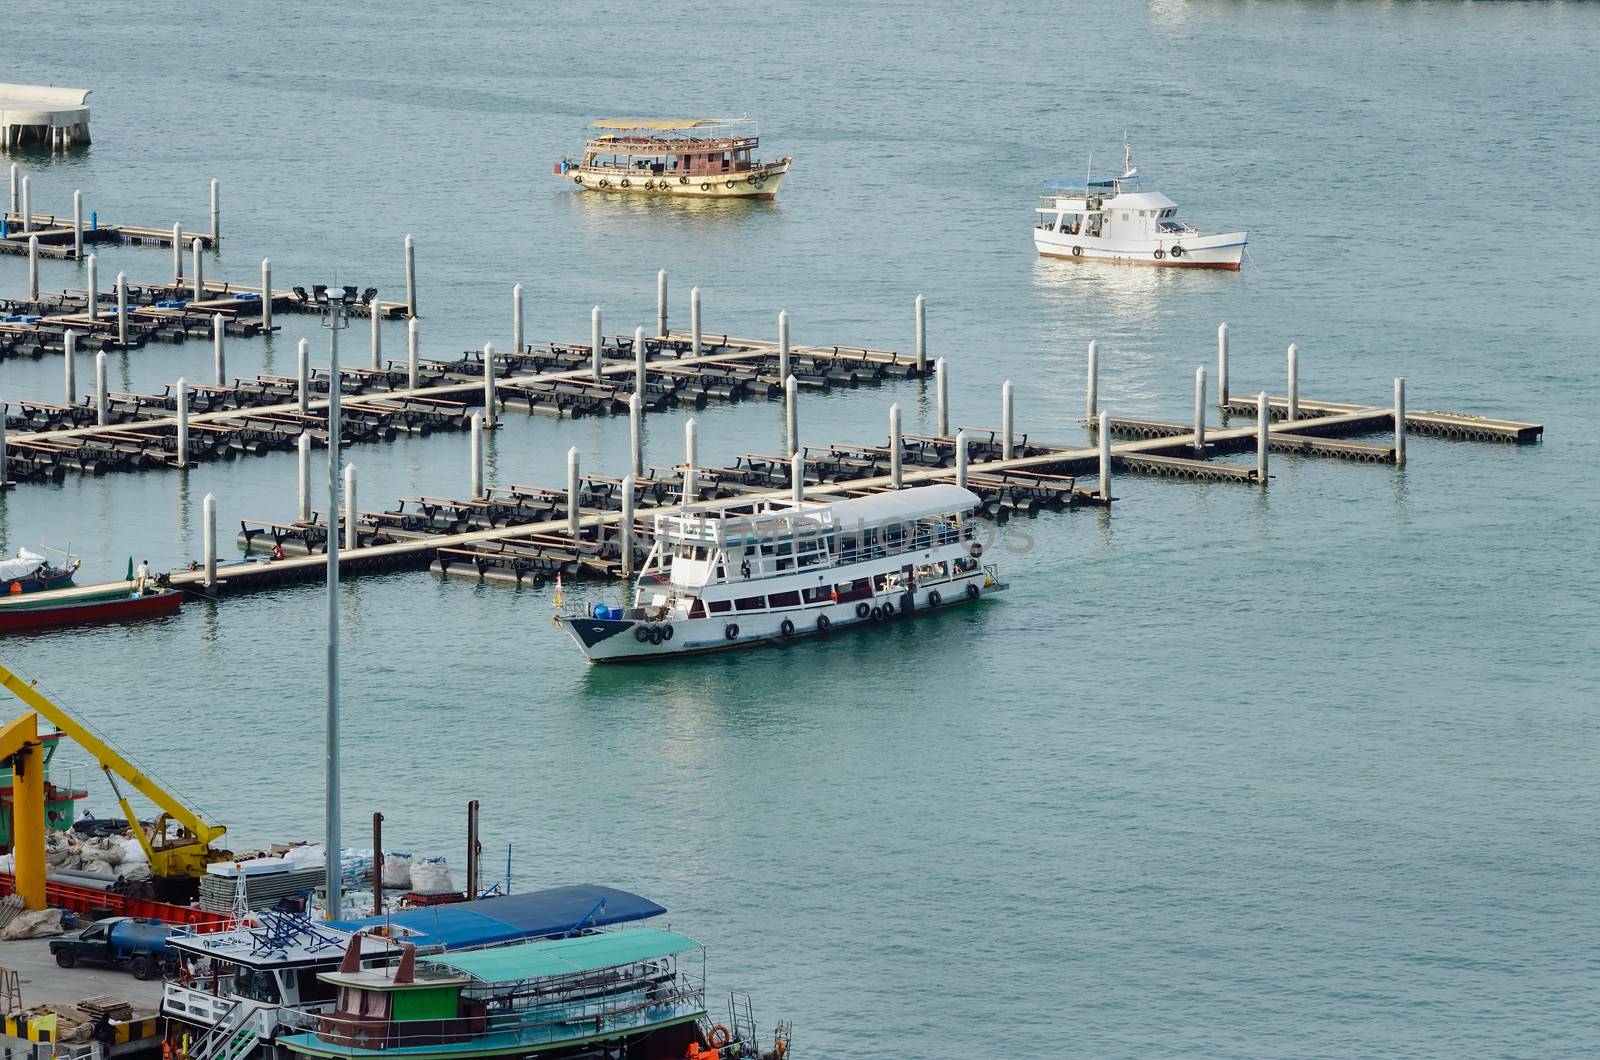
x: 71, y: 610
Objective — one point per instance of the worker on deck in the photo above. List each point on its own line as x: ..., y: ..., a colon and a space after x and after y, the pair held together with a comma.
x: 141, y: 575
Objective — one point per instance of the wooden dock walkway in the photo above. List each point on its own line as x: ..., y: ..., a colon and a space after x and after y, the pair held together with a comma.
x: 59, y: 238
x: 1439, y: 424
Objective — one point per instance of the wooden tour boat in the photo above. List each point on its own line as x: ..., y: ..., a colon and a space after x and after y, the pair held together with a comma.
x: 698, y: 158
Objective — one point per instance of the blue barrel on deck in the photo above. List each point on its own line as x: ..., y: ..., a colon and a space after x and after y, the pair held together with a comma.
x: 140, y: 936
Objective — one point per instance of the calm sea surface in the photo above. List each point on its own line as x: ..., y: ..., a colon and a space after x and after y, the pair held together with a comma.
x: 1309, y: 772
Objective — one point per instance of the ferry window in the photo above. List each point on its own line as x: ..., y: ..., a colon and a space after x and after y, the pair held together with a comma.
x: 818, y: 594
x: 785, y: 599
x: 719, y: 606
x: 750, y: 603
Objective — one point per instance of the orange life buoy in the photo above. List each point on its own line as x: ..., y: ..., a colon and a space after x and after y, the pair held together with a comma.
x: 719, y: 1036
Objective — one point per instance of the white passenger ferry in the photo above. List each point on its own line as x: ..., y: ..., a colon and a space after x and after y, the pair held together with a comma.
x: 737, y: 573
x: 1120, y: 221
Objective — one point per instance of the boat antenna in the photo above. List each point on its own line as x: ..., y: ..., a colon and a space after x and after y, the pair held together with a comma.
x: 1088, y: 176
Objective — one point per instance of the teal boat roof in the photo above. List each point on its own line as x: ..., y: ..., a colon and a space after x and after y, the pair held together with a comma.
x: 553, y: 957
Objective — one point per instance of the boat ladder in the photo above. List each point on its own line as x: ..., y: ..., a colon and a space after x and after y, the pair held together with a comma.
x: 232, y: 1037
x: 741, y: 1019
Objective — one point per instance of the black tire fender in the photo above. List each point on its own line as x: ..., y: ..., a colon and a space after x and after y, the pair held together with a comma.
x: 731, y: 631
x: 641, y: 633
x: 786, y: 628
x: 972, y: 591
x: 824, y: 623
x: 863, y: 609
x: 934, y: 599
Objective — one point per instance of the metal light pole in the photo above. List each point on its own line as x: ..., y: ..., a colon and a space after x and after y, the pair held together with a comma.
x: 335, y: 320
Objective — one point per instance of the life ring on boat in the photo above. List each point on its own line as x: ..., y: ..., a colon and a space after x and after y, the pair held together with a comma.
x: 863, y: 609
x: 666, y: 631
x: 625, y: 183
x: 604, y: 183
x: 656, y: 636
x: 824, y: 623
x: 786, y: 628
x: 731, y: 631
x: 934, y: 599
x: 719, y: 1037
x: 1177, y: 251
x: 705, y: 185
x: 1077, y: 252
x: 1160, y: 253
x: 972, y: 591
x: 641, y: 633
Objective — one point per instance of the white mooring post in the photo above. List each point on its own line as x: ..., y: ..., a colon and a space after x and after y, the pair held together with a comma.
x: 3, y: 479
x: 783, y: 344
x: 1399, y: 420
x: 922, y: 336
x: 122, y: 309
x: 1294, y: 383
x: 961, y: 459
x: 1105, y: 457
x: 183, y: 422
x: 27, y: 206
x: 350, y: 509
x: 638, y: 361
x: 216, y: 211
x: 413, y: 354
x: 217, y: 353
x: 14, y: 207
x: 477, y: 455
x: 791, y: 414
x: 488, y: 384
x: 1200, y: 410
x: 1263, y: 431
x: 894, y: 445
x: 70, y: 367
x: 691, y: 461
x: 625, y: 527
x: 597, y: 341
x: 77, y: 224
x: 102, y: 406
x: 266, y: 295
x: 516, y: 318
x: 694, y: 321
x: 377, y: 338
x: 942, y: 389
x: 302, y: 369
x: 304, y: 447
x: 33, y: 268
x: 411, y: 276
x: 1222, y: 365
x: 661, y: 304
x: 92, y: 278
x: 1007, y: 445
x: 198, y: 267
x: 636, y: 435
x: 572, y: 493
x: 208, y: 530
x: 797, y: 477
x: 177, y: 255
x: 1091, y: 396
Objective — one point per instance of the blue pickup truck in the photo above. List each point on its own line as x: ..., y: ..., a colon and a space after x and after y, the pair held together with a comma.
x: 141, y: 945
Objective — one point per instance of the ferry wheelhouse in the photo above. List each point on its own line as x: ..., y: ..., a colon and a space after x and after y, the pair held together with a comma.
x: 637, y: 992
x: 737, y: 573
x: 705, y: 158
x: 1121, y: 221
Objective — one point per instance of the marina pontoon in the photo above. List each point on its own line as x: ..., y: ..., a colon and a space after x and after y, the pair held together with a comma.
x: 703, y: 158
x: 737, y: 573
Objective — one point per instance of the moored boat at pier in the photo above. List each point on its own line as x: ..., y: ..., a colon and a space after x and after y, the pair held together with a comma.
x: 31, y: 572
x: 77, y: 607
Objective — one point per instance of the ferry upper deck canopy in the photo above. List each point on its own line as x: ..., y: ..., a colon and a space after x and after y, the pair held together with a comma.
x: 723, y: 521
x: 507, y: 918
x: 557, y: 957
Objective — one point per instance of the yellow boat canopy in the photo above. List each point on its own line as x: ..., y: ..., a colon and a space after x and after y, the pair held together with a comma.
x: 657, y: 124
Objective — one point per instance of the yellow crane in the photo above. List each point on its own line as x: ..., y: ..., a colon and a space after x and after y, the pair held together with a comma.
x: 179, y: 842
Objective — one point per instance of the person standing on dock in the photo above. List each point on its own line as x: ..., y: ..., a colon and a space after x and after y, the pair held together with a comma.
x: 141, y: 576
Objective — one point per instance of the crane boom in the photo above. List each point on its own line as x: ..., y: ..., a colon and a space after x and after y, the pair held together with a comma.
x: 181, y: 856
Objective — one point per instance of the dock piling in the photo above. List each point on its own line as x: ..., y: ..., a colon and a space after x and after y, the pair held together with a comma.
x: 516, y: 318
x: 412, y: 354
x: 217, y: 351
x: 1200, y: 410
x: 894, y: 446
x: 661, y: 304
x: 122, y: 309
x: 625, y: 526
x: 691, y: 461
x: 488, y: 385
x: 635, y: 435
x: 783, y: 344
x: 1008, y: 444
x: 377, y: 339
x: 302, y: 366
x: 92, y: 282
x: 797, y: 477
x: 208, y: 531
x: 303, y: 445
x: 3, y: 433
x: 69, y: 343
x: 350, y: 507
x: 477, y: 455
x: 33, y: 268
x: 597, y: 341
x: 1399, y: 420
x: 216, y: 210
x: 77, y: 224
x: 961, y: 459
x: 266, y: 295
x: 199, y: 270
x: 1263, y: 431
x: 14, y: 207
x: 1222, y: 365
x: 791, y: 414
x: 694, y: 321
x: 1105, y: 457
x: 102, y: 408
x: 177, y: 255
x: 1294, y: 383
x: 183, y: 422
x: 1091, y: 397
x: 638, y: 361
x: 942, y: 389
x: 27, y: 206
x: 572, y: 494
x: 411, y: 276
x: 922, y: 336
